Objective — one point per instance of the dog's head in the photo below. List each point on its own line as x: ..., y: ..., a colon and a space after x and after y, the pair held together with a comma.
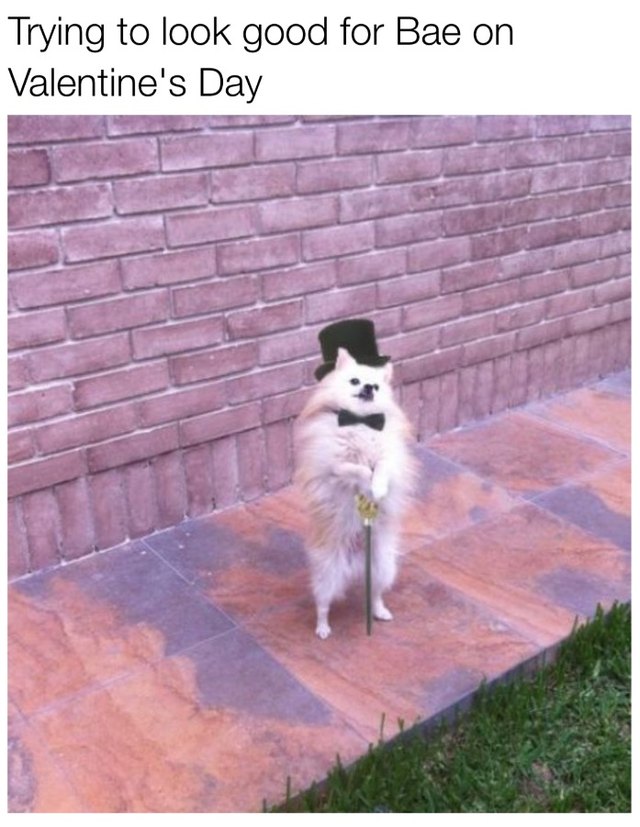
x: 359, y: 388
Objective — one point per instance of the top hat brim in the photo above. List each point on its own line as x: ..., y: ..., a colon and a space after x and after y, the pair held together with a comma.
x: 322, y: 370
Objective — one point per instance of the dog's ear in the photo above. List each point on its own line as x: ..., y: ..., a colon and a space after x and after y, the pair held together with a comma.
x: 344, y: 358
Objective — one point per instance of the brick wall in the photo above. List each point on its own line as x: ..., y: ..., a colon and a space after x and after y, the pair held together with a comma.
x: 169, y: 275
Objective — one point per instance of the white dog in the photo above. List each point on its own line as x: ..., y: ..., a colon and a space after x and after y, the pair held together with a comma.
x: 352, y: 438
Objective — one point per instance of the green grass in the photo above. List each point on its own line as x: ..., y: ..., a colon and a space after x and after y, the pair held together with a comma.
x: 559, y: 741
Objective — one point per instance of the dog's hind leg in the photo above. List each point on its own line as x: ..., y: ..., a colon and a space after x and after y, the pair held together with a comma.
x: 328, y: 584
x: 383, y: 571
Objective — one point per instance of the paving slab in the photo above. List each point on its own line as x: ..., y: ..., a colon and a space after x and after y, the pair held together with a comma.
x: 180, y: 672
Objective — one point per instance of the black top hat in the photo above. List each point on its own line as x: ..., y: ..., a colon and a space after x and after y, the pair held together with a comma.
x: 358, y: 336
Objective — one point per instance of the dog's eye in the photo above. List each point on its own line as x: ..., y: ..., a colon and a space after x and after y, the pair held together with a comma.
x: 376, y: 388
x: 355, y: 381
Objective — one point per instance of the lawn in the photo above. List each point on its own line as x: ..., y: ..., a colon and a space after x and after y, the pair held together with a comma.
x: 559, y: 741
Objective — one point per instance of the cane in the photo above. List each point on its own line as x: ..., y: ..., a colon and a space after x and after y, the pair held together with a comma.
x: 368, y: 511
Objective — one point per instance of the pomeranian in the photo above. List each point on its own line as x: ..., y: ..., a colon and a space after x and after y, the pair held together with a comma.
x: 352, y: 438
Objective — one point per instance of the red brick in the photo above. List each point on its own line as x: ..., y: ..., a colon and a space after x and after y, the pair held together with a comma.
x: 295, y: 142
x: 59, y: 205
x: 43, y: 473
x: 609, y: 292
x: 282, y: 284
x: 42, y: 523
x: 31, y: 329
x: 220, y: 294
x: 380, y: 136
x: 199, y: 480
x: 140, y: 496
x: 599, y: 122
x: 104, y: 159
x: 132, y: 124
x: 217, y: 149
x: 109, y: 508
x: 210, y: 225
x: 337, y: 241
x: 431, y: 364
x: 17, y: 372
x: 547, y: 233
x: 606, y: 172
x: 176, y: 337
x: 593, y: 271
x: 522, y: 264
x: 79, y: 357
x: 371, y: 267
x: 476, y: 327
x: 618, y: 195
x: 224, y: 458
x: 408, y: 289
x: 27, y: 167
x: 34, y: 129
x: 374, y: 203
x: 487, y: 298
x: 589, y: 319
x: 434, y: 254
x: 499, y: 127
x: 76, y: 431
x: 279, y: 455
x: 169, y: 407
x: 462, y: 161
x: 76, y: 524
x: 427, y: 424
x: 171, y: 492
x: 471, y: 275
x: 34, y: 405
x: 283, y: 347
x: 18, y: 550
x: 472, y: 219
x: 121, y: 384
x: 258, y: 254
x: 520, y: 316
x: 422, y: 314
x: 541, y: 333
x: 575, y: 252
x: 284, y: 406
x: 118, y: 314
x: 485, y: 349
x: 298, y: 213
x: 264, y: 320
x: 499, y: 243
x: 605, y: 222
x: 334, y: 174
x: 564, y: 304
x: 32, y: 249
x: 321, y: 307
x: 66, y: 284
x: 20, y: 445
x: 263, y: 383
x: 442, y: 131
x: 408, y: 229
x: 169, y: 268
x: 448, y: 407
x: 212, y: 426
x: 398, y: 167
x: 131, y: 448
x: 211, y: 364
x: 218, y: 121
x: 251, y: 464
x: 113, y: 238
x: 161, y: 193
x: 622, y: 143
x: 252, y: 182
x: 561, y: 124
x: 565, y: 176
x: 582, y: 147
x: 620, y: 311
x: 543, y: 284
x: 534, y: 153
x: 407, y: 345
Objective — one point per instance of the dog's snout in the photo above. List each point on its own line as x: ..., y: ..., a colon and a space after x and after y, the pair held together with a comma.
x: 367, y: 391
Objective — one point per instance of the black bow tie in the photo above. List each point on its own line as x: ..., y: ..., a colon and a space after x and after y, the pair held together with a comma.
x: 375, y: 421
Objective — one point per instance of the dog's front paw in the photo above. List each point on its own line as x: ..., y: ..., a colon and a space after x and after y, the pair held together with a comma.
x: 323, y: 630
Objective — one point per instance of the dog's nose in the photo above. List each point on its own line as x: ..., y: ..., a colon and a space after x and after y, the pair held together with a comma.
x: 367, y: 390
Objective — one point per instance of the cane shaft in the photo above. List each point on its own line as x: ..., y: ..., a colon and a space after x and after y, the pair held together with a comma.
x: 367, y: 550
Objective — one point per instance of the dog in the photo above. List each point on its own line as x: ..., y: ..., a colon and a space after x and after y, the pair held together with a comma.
x: 352, y: 438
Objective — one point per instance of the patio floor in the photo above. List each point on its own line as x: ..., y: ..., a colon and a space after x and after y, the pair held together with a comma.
x: 181, y: 673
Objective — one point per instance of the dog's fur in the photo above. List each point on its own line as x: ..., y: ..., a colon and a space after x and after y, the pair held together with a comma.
x: 335, y: 463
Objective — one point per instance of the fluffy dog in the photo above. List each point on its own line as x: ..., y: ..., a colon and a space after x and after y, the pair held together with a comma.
x: 352, y: 438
